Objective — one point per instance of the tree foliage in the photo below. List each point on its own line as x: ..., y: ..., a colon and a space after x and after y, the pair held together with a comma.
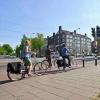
x: 17, y: 51
x: 1, y: 50
x: 19, y: 47
x: 37, y: 42
x: 23, y: 41
x: 8, y: 49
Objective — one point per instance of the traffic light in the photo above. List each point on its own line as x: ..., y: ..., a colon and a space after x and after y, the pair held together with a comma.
x: 94, y: 46
x: 98, y: 31
x: 93, y: 32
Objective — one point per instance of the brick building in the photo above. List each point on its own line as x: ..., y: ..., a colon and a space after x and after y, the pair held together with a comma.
x: 75, y: 42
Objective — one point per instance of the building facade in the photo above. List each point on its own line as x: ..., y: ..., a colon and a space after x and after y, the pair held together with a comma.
x: 75, y: 42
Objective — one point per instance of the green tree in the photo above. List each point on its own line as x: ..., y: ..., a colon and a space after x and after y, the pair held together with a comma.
x: 98, y: 41
x: 23, y: 41
x: 17, y: 50
x: 37, y: 42
x: 34, y: 43
x: 7, y: 49
x: 1, y: 50
x: 20, y: 47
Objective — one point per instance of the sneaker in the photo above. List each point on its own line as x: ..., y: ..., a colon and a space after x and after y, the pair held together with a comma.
x: 64, y: 68
x: 30, y: 74
x: 23, y: 76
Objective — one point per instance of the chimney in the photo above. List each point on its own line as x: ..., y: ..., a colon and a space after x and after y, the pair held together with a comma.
x: 47, y: 40
x: 60, y: 29
x: 74, y: 31
x: 53, y: 34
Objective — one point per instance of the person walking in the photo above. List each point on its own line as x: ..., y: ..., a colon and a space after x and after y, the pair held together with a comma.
x: 65, y: 55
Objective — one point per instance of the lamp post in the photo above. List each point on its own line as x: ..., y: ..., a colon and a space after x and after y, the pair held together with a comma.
x: 74, y: 42
x: 76, y: 30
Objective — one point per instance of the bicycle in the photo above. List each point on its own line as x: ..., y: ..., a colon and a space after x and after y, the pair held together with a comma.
x: 17, y: 70
x: 45, y: 64
x: 37, y: 67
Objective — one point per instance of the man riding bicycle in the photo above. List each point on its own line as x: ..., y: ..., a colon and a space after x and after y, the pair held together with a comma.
x: 48, y: 55
x: 65, y: 55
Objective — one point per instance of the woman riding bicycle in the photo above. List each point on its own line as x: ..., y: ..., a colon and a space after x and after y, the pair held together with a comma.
x: 27, y: 56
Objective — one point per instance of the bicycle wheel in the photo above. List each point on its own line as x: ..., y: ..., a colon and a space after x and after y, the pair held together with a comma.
x: 73, y: 62
x: 45, y: 65
x: 14, y: 77
x: 38, y: 68
x: 54, y: 64
x: 13, y: 71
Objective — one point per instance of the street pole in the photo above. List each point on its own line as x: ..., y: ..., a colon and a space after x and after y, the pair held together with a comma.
x: 95, y: 53
x: 83, y: 58
x: 95, y: 39
x: 94, y: 34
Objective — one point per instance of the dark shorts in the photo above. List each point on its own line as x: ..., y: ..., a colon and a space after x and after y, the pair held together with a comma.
x: 27, y: 62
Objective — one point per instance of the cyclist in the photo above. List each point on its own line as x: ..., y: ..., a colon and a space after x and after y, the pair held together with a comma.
x: 65, y: 55
x: 48, y: 55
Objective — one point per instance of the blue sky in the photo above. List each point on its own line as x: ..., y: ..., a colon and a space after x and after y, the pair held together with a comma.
x: 18, y: 17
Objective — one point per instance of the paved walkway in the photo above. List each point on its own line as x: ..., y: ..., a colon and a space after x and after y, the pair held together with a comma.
x: 78, y: 84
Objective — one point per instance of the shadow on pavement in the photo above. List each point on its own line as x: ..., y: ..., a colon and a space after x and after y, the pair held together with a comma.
x: 60, y: 71
x: 5, y: 81
x: 41, y: 74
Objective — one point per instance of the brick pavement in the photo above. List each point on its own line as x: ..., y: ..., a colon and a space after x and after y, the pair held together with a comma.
x: 79, y: 84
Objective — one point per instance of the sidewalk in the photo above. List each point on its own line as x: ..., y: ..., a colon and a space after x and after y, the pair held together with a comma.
x: 78, y: 84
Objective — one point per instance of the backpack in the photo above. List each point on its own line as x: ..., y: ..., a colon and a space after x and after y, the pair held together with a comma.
x: 64, y: 51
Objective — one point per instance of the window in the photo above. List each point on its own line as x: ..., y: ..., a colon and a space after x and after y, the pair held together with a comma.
x: 71, y: 40
x: 68, y: 36
x: 58, y: 36
x: 63, y: 35
x: 63, y: 40
x: 71, y: 36
x: 68, y: 40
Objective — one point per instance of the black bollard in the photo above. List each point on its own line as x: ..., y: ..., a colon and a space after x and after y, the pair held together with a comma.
x: 83, y: 59
x: 96, y: 55
x: 95, y: 60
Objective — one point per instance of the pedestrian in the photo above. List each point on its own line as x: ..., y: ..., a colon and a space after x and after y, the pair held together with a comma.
x: 48, y: 55
x: 65, y: 55
x: 27, y: 57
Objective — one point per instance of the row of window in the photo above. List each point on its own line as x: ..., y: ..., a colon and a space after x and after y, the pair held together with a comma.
x: 76, y: 42
x: 76, y: 37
